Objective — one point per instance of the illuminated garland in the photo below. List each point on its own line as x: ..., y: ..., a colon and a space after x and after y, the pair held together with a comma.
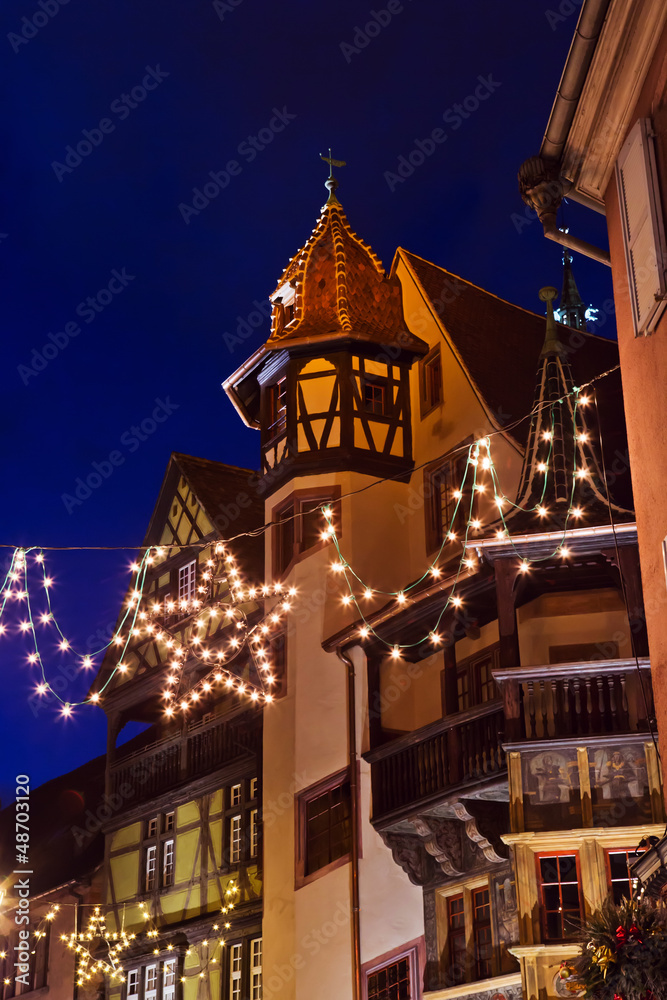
x: 479, y: 461
x: 98, y: 940
x: 141, y: 620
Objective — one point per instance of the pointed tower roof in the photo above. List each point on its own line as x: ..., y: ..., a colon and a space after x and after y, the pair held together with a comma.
x: 571, y: 308
x: 561, y: 471
x: 337, y: 289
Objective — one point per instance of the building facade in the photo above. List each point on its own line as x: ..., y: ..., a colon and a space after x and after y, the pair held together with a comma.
x: 396, y: 720
x: 605, y: 146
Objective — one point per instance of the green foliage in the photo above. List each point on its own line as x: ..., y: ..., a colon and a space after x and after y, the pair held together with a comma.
x: 624, y: 952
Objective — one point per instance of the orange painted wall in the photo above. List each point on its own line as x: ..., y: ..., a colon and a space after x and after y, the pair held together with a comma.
x: 644, y: 375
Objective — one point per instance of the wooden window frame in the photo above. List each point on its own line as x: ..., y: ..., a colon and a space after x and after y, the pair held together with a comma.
x: 414, y: 951
x: 426, y: 364
x: 141, y: 964
x: 302, y: 799
x: 380, y: 383
x: 243, y: 808
x: 540, y: 886
x: 478, y: 925
x: 188, y: 573
x: 455, y: 934
x: 255, y: 970
x: 467, y: 667
x: 158, y: 831
x: 607, y: 863
x: 297, y: 503
x: 433, y: 507
x: 277, y: 413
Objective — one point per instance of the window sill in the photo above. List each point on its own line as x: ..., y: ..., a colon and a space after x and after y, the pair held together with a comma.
x: 301, y: 880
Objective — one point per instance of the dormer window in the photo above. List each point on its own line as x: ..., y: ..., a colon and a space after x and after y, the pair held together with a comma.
x: 187, y: 583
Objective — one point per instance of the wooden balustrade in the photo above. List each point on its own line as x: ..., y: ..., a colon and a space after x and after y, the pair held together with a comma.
x: 167, y: 763
x: 582, y: 699
x: 420, y: 766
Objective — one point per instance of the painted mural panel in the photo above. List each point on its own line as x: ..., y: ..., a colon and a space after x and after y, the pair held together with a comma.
x: 619, y: 785
x: 551, y: 794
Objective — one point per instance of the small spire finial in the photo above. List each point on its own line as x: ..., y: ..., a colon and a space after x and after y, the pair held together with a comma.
x: 552, y: 344
x: 331, y: 183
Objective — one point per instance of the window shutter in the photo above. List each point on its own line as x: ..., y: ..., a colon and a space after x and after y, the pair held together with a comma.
x: 643, y: 229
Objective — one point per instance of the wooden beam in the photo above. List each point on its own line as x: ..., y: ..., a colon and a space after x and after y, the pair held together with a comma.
x: 505, y: 571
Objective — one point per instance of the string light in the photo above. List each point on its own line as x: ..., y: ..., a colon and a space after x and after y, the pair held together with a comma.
x: 480, y: 464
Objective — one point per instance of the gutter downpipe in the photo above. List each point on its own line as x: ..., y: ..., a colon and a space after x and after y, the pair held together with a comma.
x: 541, y: 184
x: 354, y: 810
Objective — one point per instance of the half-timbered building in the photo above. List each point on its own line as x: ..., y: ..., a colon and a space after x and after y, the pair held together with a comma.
x: 458, y: 763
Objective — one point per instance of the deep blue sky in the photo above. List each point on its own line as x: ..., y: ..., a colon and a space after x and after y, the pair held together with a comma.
x: 161, y: 337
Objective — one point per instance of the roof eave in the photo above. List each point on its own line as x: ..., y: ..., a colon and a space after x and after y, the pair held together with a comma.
x: 230, y: 384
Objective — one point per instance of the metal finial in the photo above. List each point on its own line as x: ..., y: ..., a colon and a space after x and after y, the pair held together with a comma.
x: 552, y: 344
x: 331, y: 183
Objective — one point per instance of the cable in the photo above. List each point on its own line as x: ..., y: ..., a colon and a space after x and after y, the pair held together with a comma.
x: 256, y: 532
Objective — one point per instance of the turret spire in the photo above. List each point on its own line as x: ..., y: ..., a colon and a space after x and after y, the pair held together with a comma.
x: 571, y: 310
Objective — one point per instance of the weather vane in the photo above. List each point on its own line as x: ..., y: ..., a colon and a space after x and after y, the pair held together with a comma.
x: 332, y: 163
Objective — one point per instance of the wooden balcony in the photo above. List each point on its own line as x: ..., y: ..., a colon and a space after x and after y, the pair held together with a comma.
x: 175, y: 760
x: 419, y: 768
x: 594, y: 698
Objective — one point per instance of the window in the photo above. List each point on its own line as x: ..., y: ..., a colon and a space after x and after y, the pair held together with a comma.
x: 325, y: 833
x: 456, y: 937
x: 481, y: 923
x: 168, y: 863
x: 150, y: 982
x: 446, y: 511
x: 187, y: 581
x: 254, y: 833
x: 36, y: 975
x: 391, y: 982
x: 133, y: 984
x: 159, y: 855
x: 242, y: 823
x: 474, y: 678
x: 375, y: 396
x: 643, y: 230
x: 300, y: 525
x: 430, y: 381
x: 256, y: 969
x: 151, y: 865
x: 235, y: 969
x: 277, y: 408
x: 235, y: 839
x: 169, y: 979
x: 560, y: 894
x: 621, y: 882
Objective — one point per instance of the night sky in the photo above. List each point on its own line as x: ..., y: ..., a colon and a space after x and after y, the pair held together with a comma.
x: 168, y: 94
